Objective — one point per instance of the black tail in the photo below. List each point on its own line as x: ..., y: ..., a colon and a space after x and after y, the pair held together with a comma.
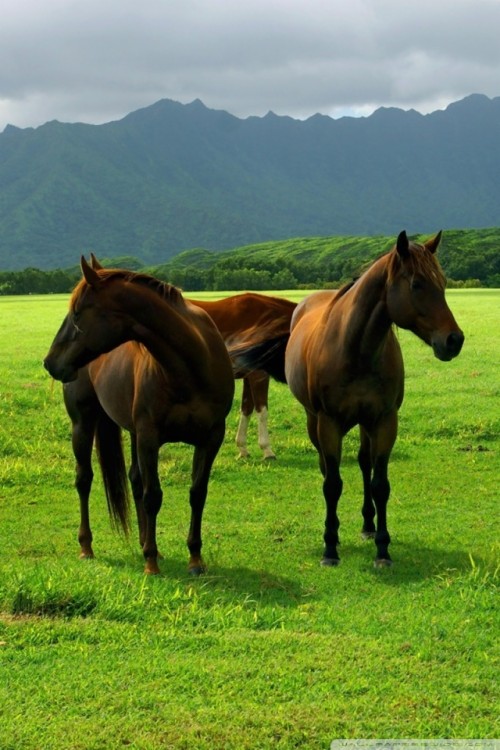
x: 266, y: 355
x: 108, y: 441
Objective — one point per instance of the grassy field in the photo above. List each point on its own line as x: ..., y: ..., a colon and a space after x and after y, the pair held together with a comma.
x: 269, y: 649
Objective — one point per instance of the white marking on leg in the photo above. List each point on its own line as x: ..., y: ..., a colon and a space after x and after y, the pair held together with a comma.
x: 241, y: 436
x: 264, y: 442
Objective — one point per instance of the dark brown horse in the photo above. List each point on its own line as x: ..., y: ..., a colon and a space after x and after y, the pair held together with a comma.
x: 134, y: 354
x: 233, y: 316
x: 344, y: 365
x: 237, y: 316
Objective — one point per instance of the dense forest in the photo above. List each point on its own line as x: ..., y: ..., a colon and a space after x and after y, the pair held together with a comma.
x: 469, y: 257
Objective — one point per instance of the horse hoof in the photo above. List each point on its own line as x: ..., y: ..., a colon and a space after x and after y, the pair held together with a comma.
x: 196, y: 566
x: 367, y: 535
x: 330, y: 562
x: 382, y: 563
x: 151, y: 568
x: 86, y: 555
x: 196, y: 570
x: 271, y: 457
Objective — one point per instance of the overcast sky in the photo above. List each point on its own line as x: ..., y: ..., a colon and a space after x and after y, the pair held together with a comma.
x: 97, y: 60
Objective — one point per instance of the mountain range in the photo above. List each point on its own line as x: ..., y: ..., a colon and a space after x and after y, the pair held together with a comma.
x: 171, y: 177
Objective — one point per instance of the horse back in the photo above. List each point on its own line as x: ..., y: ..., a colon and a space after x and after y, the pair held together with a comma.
x: 241, y: 312
x: 317, y: 300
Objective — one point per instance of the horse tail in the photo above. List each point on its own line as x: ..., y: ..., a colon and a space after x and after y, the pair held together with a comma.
x: 267, y: 355
x: 109, y: 447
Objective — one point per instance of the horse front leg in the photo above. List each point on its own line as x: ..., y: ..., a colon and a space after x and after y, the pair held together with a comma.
x: 382, y: 444
x: 203, y: 460
x: 83, y: 409
x: 365, y: 464
x: 147, y: 454
x: 82, y: 440
x: 83, y: 414
x: 329, y: 439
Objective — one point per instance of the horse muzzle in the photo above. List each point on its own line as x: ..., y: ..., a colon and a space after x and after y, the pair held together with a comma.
x: 65, y: 373
x: 449, y: 347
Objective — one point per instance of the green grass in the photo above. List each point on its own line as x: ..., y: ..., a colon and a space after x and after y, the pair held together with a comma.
x: 268, y: 650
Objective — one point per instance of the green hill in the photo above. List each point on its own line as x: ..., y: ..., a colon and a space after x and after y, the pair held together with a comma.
x: 467, y: 255
x: 171, y: 177
x: 317, y: 261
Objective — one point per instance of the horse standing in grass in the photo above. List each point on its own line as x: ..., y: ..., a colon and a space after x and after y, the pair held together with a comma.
x: 134, y: 354
x: 344, y: 365
x: 233, y: 316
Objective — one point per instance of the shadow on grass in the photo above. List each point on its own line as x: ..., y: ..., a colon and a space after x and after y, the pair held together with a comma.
x: 224, y: 585
x: 416, y: 563
x: 411, y: 562
x: 226, y: 582
x: 309, y: 461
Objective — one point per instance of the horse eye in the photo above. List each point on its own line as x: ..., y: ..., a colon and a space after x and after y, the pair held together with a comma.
x: 416, y: 284
x: 74, y: 320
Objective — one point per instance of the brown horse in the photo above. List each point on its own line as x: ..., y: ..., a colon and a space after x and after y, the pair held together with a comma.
x: 233, y: 316
x: 134, y: 354
x: 344, y: 365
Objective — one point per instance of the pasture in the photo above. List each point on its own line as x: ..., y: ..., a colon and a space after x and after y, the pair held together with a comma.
x: 268, y: 649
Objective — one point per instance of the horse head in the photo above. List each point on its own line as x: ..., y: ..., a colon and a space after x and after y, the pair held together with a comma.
x: 415, y: 296
x: 88, y: 330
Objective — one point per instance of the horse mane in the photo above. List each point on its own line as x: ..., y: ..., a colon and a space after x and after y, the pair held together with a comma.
x: 165, y: 290
x: 419, y: 262
x: 344, y: 288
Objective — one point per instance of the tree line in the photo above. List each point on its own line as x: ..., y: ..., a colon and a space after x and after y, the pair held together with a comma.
x: 224, y: 276
x: 469, y: 258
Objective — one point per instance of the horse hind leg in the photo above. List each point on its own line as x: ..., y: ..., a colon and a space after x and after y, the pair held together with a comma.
x: 260, y: 392
x: 135, y: 479
x: 365, y: 464
x: 264, y: 442
x: 247, y: 407
x: 255, y: 398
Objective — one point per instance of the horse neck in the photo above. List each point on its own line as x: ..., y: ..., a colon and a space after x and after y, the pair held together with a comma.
x: 366, y: 319
x: 162, y: 327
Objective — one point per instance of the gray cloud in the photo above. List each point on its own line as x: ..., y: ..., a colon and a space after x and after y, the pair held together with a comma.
x: 96, y: 61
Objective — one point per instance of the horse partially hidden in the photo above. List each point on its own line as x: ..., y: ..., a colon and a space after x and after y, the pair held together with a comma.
x: 344, y: 365
x: 134, y: 354
x: 233, y: 316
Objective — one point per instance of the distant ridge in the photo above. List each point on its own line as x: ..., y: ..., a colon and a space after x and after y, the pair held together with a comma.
x: 170, y: 177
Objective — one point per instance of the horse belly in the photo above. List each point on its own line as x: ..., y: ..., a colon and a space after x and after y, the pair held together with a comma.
x: 112, y: 376
x: 190, y: 423
x: 363, y: 402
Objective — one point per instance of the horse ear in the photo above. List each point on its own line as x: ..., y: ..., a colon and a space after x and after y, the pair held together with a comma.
x: 433, y: 244
x: 90, y: 274
x: 403, y: 245
x: 95, y: 263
